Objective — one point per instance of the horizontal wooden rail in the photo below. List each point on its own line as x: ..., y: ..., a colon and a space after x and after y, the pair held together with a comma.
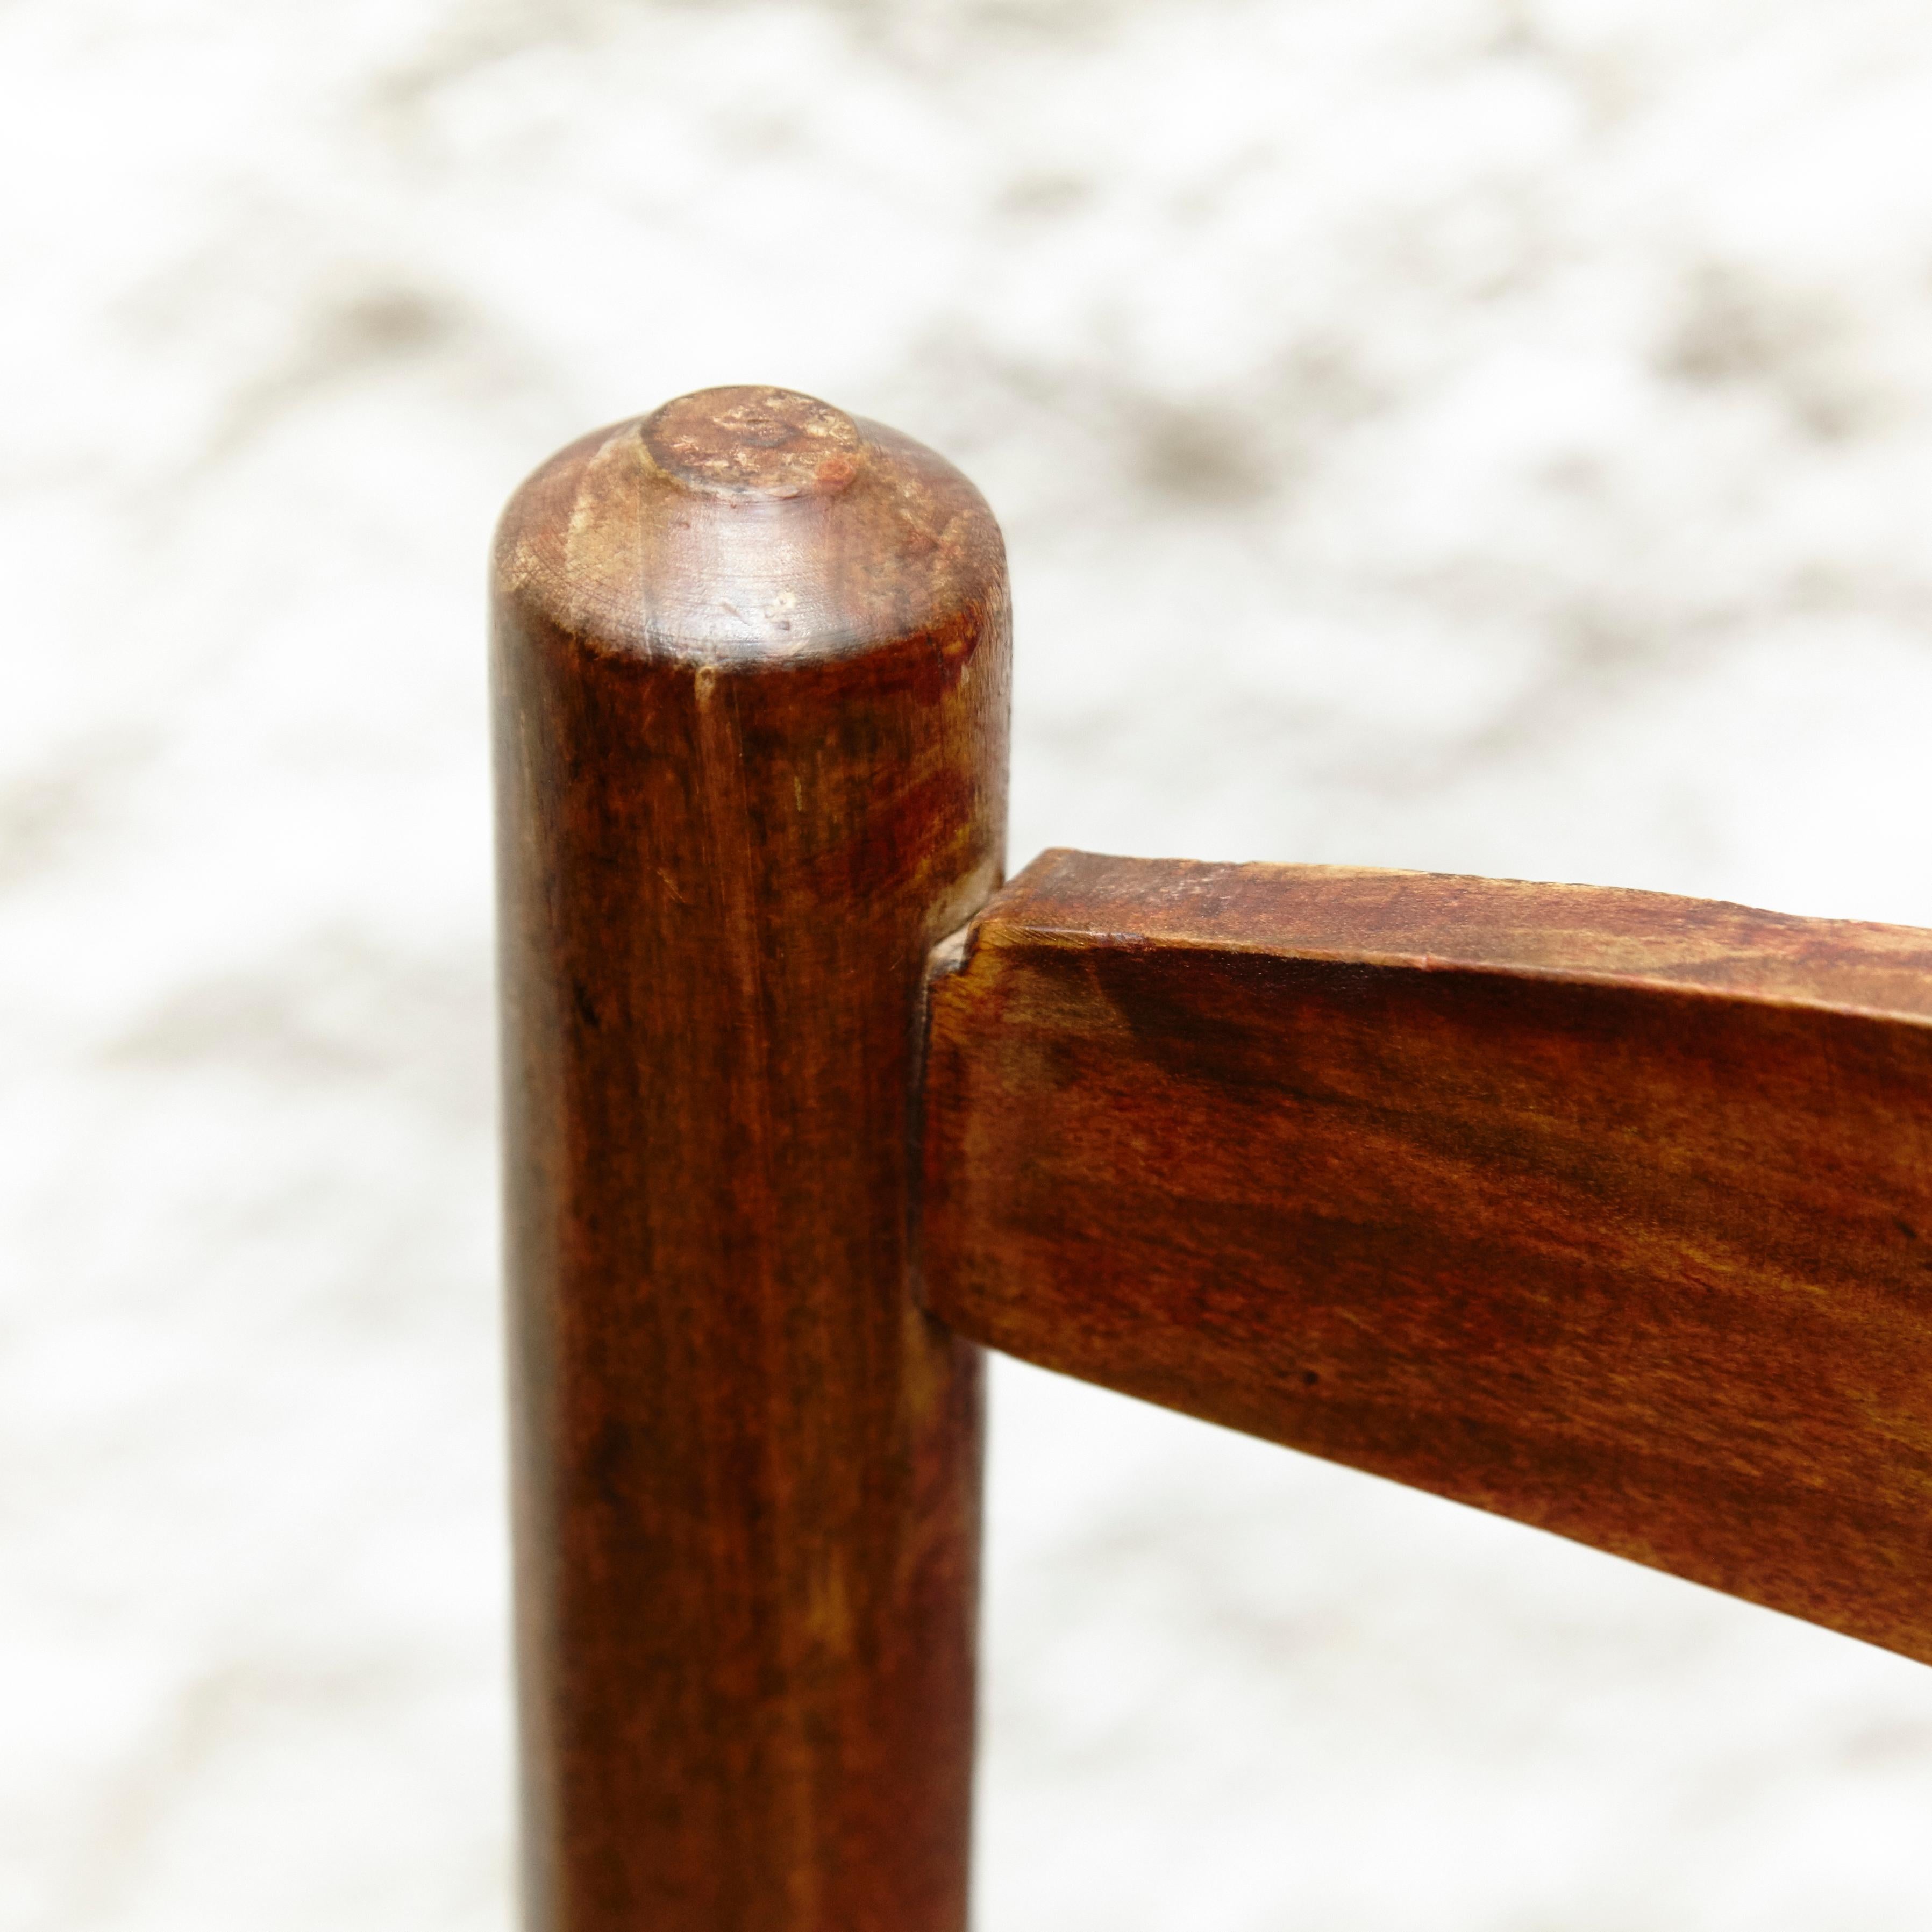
x: 1608, y: 1211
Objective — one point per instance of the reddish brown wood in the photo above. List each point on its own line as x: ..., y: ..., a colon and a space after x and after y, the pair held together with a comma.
x: 1608, y: 1211
x: 751, y: 676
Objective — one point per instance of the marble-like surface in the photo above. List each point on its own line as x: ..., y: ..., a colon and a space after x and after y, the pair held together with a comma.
x: 1457, y: 433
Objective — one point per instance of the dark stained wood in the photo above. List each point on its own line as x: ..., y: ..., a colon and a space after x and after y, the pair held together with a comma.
x: 1608, y: 1211
x: 751, y: 667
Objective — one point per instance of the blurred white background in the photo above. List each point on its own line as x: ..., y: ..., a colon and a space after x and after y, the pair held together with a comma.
x: 1452, y: 434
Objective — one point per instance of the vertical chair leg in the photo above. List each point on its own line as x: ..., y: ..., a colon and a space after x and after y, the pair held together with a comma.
x: 751, y: 668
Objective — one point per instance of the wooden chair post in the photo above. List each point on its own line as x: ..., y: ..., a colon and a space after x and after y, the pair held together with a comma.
x: 751, y: 675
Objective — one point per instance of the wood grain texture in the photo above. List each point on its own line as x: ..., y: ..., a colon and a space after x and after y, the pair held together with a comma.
x: 751, y: 675
x: 1608, y: 1211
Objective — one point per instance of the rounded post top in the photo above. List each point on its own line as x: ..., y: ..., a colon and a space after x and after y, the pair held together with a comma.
x: 750, y: 527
